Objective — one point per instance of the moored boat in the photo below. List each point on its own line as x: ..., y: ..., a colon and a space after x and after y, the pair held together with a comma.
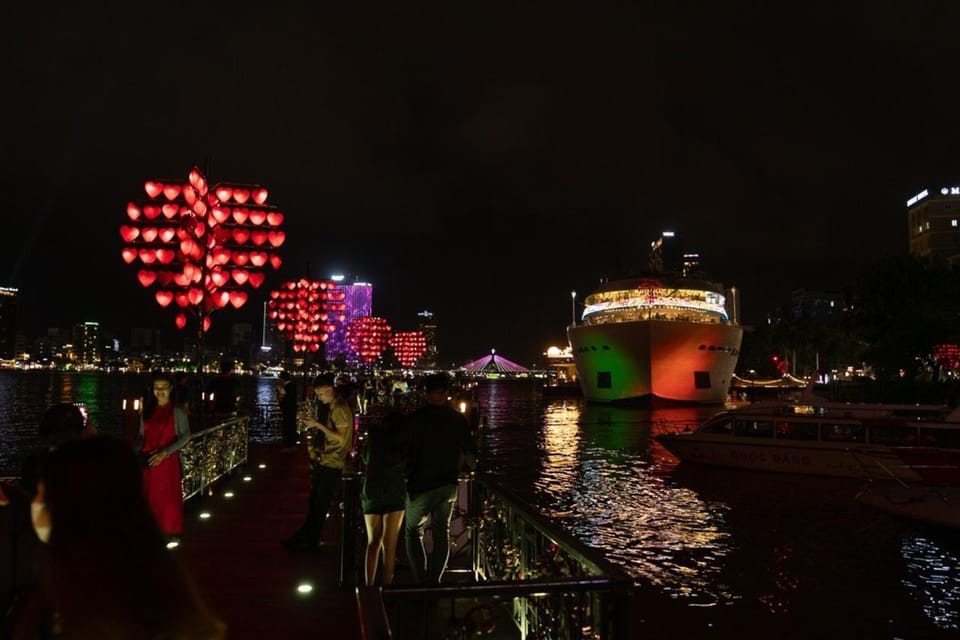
x: 936, y: 505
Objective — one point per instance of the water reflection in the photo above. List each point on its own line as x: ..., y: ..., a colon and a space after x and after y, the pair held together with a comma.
x: 933, y: 580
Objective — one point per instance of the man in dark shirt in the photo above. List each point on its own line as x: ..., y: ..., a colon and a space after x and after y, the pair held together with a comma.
x: 437, y: 443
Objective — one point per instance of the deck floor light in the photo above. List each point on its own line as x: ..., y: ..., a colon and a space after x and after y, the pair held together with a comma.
x: 262, y: 466
x: 204, y: 515
x: 304, y: 588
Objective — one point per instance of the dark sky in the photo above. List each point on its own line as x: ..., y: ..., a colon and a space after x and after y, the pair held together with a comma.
x: 478, y: 159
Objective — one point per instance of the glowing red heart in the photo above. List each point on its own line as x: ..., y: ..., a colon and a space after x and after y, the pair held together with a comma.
x: 240, y: 235
x: 190, y: 270
x: 128, y: 255
x: 206, y: 324
x: 257, y: 217
x: 219, y: 277
x: 189, y: 194
x: 153, y: 189
x: 258, y: 258
x: 166, y: 256
x: 180, y: 321
x: 281, y: 326
x: 240, y: 276
x: 200, y: 208
x: 195, y: 295
x: 274, y: 294
x: 240, y: 215
x: 220, y: 214
x: 129, y: 234
x: 258, y: 237
x: 170, y: 210
x: 149, y: 234
x: 275, y: 261
x: 171, y: 191
x: 274, y: 218
x: 167, y: 234
x: 146, y: 278
x: 256, y: 279
x: 238, y: 298
x: 164, y: 298
x: 182, y: 300
x: 151, y: 211
x: 259, y: 195
x: 221, y: 255
x: 240, y: 258
x: 148, y: 256
x: 187, y: 246
x: 133, y: 212
x: 223, y: 193
x: 240, y: 196
x: 221, y: 299
x: 195, y: 177
x: 276, y: 238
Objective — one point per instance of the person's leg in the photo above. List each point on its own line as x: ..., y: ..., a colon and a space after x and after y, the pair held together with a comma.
x: 416, y: 514
x: 328, y: 479
x: 374, y: 522
x: 391, y: 532
x: 440, y: 512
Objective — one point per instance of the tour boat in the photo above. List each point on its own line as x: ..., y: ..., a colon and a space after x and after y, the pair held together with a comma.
x: 660, y: 337
x: 937, y: 505
x: 916, y: 443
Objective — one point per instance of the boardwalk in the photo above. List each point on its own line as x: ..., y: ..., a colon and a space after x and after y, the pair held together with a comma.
x: 237, y: 561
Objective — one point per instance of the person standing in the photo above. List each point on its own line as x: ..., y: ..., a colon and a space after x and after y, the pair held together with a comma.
x: 437, y: 442
x: 328, y: 448
x: 287, y: 398
x: 383, y: 496
x: 164, y: 429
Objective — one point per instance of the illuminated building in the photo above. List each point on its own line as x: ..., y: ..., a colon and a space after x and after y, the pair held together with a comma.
x: 8, y: 322
x: 87, y: 344
x: 428, y: 327
x: 933, y: 225
x: 359, y: 304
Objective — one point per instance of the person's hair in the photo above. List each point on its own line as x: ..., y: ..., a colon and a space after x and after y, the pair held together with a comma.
x: 436, y: 382
x: 324, y: 380
x: 60, y: 423
x: 150, y: 402
x: 111, y: 573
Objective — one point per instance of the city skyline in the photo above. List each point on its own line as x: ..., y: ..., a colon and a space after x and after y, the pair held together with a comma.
x: 478, y: 163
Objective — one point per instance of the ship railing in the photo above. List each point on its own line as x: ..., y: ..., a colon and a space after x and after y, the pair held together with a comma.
x: 510, y: 568
x: 212, y: 453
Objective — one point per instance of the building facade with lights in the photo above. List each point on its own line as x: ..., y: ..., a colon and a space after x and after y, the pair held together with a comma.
x: 428, y: 327
x: 8, y: 322
x: 88, y: 352
x: 359, y: 304
x: 933, y: 225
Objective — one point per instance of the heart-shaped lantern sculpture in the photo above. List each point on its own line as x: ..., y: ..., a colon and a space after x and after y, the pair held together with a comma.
x: 191, y: 240
x: 293, y: 306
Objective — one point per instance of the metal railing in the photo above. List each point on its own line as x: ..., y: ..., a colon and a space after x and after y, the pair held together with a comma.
x: 212, y: 453
x: 507, y: 563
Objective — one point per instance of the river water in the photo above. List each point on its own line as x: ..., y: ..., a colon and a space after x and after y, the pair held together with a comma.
x: 714, y: 553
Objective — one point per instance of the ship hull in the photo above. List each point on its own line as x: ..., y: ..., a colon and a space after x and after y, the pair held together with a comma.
x: 649, y: 360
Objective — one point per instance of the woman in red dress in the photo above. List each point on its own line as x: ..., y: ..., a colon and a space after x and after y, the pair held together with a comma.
x: 164, y: 428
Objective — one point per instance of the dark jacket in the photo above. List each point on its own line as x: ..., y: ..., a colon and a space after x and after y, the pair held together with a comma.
x: 436, y: 443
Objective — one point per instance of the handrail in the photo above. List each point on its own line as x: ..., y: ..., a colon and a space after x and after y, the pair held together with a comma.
x: 210, y: 454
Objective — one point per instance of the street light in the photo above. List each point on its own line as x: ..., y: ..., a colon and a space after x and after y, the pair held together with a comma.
x: 573, y: 307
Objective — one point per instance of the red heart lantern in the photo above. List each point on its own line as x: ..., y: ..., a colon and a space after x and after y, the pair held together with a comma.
x: 167, y: 234
x: 128, y: 255
x: 257, y: 217
x: 219, y: 277
x: 258, y: 237
x: 221, y: 299
x: 258, y: 258
x: 153, y: 189
x: 146, y: 277
x: 181, y: 280
x: 190, y: 271
x: 275, y: 261
x: 259, y: 195
x: 149, y: 234
x: 164, y: 298
x: 256, y: 279
x: 181, y: 321
x: 129, y: 234
x: 220, y: 255
x: 148, y: 256
x: 238, y: 298
x: 240, y: 235
x: 274, y: 218
x: 187, y: 246
x: 240, y: 258
x: 171, y: 191
x: 240, y: 276
x: 189, y: 194
x: 151, y: 211
x: 182, y: 300
x: 133, y: 212
x: 166, y: 256
x: 240, y: 196
x: 223, y: 193
x: 206, y: 324
x: 200, y: 208
x: 170, y: 210
x: 276, y: 238
x: 195, y: 296
x: 220, y: 214
x: 240, y: 215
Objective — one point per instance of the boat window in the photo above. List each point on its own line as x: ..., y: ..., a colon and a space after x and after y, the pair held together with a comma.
x: 796, y: 430
x: 842, y: 432
x: 720, y: 426
x: 604, y: 380
x: 895, y: 435
x: 701, y: 379
x: 946, y: 438
x: 753, y: 428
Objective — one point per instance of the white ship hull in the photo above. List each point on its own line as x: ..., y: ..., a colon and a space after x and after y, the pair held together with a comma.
x: 645, y: 359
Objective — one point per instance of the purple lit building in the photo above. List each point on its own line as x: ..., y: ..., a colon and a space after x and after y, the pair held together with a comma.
x: 359, y: 303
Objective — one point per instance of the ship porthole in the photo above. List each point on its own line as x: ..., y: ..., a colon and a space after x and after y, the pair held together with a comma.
x: 702, y: 347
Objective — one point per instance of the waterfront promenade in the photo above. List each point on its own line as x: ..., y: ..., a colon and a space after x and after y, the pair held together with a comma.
x: 237, y: 562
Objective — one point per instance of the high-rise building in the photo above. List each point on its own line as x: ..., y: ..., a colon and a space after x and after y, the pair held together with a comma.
x: 933, y: 225
x: 666, y: 254
x: 359, y: 304
x: 428, y: 327
x: 86, y: 343
x: 8, y: 322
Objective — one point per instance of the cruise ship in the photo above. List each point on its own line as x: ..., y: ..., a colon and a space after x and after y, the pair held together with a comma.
x: 664, y: 336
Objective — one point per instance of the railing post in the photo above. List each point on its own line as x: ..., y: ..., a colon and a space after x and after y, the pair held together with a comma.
x: 348, y: 531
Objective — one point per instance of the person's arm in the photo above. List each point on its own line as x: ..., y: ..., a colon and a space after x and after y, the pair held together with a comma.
x: 342, y: 419
x: 181, y: 426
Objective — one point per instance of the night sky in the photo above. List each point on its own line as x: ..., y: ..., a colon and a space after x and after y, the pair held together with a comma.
x: 479, y: 160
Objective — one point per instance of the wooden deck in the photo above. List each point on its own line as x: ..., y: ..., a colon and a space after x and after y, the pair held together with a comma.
x: 247, y: 577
